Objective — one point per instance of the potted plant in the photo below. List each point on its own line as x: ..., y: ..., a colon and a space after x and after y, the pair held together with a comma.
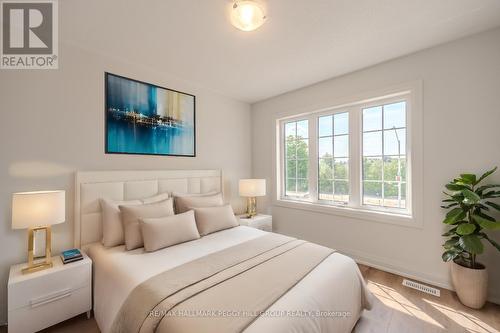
x: 470, y: 206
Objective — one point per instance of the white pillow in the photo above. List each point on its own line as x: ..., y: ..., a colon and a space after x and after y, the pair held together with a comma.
x: 112, y: 226
x: 132, y: 214
x: 184, y: 202
x: 212, y: 219
x: 162, y: 232
x: 156, y: 198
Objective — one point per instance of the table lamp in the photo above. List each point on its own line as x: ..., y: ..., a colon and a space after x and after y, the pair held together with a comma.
x: 38, y: 211
x: 252, y: 188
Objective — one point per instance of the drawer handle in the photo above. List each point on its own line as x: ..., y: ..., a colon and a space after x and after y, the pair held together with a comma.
x: 50, y: 298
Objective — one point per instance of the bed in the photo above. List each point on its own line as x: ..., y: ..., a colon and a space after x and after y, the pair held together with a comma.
x: 329, y: 298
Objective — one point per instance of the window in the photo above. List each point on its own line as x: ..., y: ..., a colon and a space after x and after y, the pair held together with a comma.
x: 333, y: 158
x: 384, y: 155
x: 354, y: 156
x: 297, y: 159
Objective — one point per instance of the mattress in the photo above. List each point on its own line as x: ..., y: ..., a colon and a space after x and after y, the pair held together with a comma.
x: 328, y: 299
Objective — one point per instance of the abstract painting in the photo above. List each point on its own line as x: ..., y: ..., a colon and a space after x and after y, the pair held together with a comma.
x: 142, y: 118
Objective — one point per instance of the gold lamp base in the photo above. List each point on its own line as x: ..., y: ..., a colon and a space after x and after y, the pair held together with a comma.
x: 251, y: 207
x: 47, y: 261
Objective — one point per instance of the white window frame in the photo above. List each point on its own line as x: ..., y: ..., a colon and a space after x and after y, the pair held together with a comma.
x: 412, y: 95
x: 316, y: 116
x: 285, y: 160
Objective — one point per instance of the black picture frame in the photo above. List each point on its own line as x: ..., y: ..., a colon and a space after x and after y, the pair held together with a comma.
x: 106, y: 118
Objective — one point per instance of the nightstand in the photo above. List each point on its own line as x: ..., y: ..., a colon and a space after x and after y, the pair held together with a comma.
x: 44, y: 298
x: 259, y: 221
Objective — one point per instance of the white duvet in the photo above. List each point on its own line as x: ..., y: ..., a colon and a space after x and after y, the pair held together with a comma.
x: 327, y: 300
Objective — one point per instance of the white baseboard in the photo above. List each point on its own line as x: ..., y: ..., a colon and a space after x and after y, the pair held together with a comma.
x: 384, y: 265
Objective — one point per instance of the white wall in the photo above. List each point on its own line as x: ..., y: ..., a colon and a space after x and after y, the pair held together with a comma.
x: 52, y: 124
x: 461, y: 100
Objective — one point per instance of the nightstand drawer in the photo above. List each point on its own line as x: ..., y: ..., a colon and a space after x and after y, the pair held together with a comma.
x: 49, y: 285
x: 48, y: 311
x: 44, y: 298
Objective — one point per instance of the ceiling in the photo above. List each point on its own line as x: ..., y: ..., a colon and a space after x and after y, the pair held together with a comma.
x: 302, y: 41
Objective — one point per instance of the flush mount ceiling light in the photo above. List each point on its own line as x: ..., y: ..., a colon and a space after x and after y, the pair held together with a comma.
x: 247, y: 15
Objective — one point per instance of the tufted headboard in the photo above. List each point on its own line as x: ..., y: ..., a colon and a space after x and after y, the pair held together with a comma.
x: 130, y: 185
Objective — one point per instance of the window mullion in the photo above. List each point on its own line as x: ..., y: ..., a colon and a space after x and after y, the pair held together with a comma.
x: 333, y: 157
x: 313, y: 158
x: 296, y: 143
x: 296, y: 161
x: 355, y: 136
x: 383, y: 157
x: 282, y: 157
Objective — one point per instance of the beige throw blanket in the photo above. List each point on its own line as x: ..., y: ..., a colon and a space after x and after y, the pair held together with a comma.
x: 221, y: 292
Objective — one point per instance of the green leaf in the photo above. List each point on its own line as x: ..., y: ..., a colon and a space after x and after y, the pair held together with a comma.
x: 491, y: 194
x: 451, y: 220
x: 455, y: 187
x: 451, y: 243
x: 481, y: 206
x: 485, y: 223
x: 454, y: 215
x: 450, y: 232
x: 471, y: 244
x: 493, y: 205
x: 455, y: 196
x: 485, y: 187
x: 458, y: 196
x: 486, y: 174
x: 484, y: 216
x: 449, y: 255
x: 470, y: 197
x: 454, y: 212
x: 468, y: 178
x: 466, y: 229
x: 450, y: 205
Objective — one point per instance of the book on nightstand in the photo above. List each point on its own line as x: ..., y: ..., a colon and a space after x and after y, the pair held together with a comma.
x: 71, y: 255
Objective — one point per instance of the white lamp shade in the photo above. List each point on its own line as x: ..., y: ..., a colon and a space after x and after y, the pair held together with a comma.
x: 35, y: 209
x: 252, y: 187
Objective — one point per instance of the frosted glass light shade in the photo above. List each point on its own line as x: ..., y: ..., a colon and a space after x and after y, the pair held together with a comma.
x: 35, y: 209
x: 252, y: 187
x: 247, y: 15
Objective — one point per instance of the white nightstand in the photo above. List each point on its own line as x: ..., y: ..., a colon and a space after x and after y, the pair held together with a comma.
x: 42, y: 299
x: 259, y: 221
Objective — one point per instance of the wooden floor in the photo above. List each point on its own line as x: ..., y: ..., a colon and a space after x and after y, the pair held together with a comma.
x: 396, y: 309
x: 399, y: 309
